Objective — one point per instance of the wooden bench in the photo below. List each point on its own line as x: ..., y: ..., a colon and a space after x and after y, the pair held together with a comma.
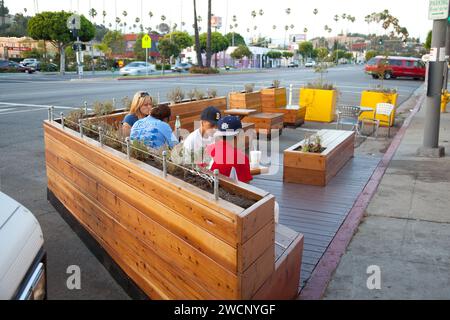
x: 171, y: 239
x: 319, y: 168
x: 266, y: 122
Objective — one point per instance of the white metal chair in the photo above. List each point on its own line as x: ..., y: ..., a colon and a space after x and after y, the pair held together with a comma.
x: 348, y: 115
x: 384, y: 109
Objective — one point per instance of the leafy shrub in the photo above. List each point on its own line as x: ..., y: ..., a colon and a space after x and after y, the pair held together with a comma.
x: 199, y: 95
x: 103, y: 108
x: 203, y: 70
x: 126, y: 103
x: 212, y: 93
x: 176, y: 95
x: 320, y: 85
x: 249, y: 87
x: 159, y: 66
x: 191, y: 94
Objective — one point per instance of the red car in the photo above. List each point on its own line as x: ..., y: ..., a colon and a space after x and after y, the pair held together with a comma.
x: 394, y: 67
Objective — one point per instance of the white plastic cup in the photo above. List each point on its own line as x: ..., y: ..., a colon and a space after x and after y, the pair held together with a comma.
x: 255, y: 159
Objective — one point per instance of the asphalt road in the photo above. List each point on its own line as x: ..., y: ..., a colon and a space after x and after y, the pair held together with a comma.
x: 24, y: 100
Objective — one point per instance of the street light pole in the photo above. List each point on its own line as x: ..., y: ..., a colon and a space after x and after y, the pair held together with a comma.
x: 436, y: 67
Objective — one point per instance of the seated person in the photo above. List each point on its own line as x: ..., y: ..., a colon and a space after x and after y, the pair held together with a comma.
x: 197, y: 142
x: 140, y: 108
x: 227, y: 158
x: 154, y: 130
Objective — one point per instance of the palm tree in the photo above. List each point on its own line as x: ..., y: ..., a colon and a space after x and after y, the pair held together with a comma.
x: 104, y: 16
x: 305, y: 30
x: 315, y: 11
x: 208, y: 37
x: 163, y: 18
x: 197, y: 37
x: 286, y: 28
x: 93, y: 13
x: 288, y: 11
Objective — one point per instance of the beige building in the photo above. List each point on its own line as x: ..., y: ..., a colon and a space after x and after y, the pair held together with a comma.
x: 11, y: 47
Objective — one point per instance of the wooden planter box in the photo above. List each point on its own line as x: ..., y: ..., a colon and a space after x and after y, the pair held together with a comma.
x: 173, y: 240
x: 265, y: 122
x: 319, y: 168
x: 273, y: 98
x: 291, y: 117
x: 320, y: 104
x: 371, y: 99
x: 189, y: 112
x: 242, y: 100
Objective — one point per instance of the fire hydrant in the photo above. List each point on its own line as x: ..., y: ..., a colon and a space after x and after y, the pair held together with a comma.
x: 445, y: 99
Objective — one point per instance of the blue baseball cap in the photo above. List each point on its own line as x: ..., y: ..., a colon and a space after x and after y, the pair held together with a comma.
x: 211, y: 114
x: 228, y: 126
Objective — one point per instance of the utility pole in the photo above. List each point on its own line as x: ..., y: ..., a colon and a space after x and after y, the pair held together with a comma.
x: 436, y: 69
x: 447, y: 54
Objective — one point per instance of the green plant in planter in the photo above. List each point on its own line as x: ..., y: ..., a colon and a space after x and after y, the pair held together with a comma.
x: 176, y: 95
x: 312, y: 144
x: 199, y: 95
x: 74, y: 116
x: 126, y: 103
x: 191, y: 94
x: 320, y: 85
x: 276, y: 84
x: 103, y: 108
x: 139, y: 151
x: 249, y: 87
x: 212, y: 93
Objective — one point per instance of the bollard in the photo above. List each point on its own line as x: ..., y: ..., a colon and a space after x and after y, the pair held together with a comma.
x: 80, y: 126
x: 158, y: 97
x: 62, y: 120
x: 164, y: 155
x: 85, y: 108
x: 114, y: 103
x: 100, y: 135
x: 127, y: 141
x: 52, y: 110
x: 50, y: 114
x: 216, y: 184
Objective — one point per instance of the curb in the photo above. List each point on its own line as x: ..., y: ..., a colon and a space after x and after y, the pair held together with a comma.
x: 321, y: 276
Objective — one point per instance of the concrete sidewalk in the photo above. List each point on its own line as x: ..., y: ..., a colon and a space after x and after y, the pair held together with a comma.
x: 406, y: 228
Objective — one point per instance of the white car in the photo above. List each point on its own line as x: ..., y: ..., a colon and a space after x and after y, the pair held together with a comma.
x: 137, y: 68
x: 310, y: 64
x: 22, y: 255
x: 28, y: 61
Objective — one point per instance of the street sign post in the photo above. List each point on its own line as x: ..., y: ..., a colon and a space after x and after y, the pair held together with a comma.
x: 146, y: 44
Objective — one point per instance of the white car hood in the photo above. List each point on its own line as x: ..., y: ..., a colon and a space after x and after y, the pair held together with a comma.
x: 21, y: 239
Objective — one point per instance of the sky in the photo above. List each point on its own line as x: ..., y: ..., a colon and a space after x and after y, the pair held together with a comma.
x: 413, y: 14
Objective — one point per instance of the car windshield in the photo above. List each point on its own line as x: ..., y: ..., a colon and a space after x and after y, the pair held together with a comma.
x: 372, y: 62
x: 135, y: 65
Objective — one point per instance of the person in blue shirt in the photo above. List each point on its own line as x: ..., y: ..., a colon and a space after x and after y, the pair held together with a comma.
x: 154, y: 130
x: 140, y: 108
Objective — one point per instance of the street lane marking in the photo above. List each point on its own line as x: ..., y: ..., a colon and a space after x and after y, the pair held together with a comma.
x: 5, y: 110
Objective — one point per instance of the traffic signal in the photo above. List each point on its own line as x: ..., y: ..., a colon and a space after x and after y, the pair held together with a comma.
x: 380, y: 42
x: 79, y: 47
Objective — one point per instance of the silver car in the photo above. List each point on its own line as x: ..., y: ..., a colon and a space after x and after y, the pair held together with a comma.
x: 137, y: 68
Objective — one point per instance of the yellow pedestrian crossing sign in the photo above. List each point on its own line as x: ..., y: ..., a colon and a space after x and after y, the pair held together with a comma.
x: 146, y: 42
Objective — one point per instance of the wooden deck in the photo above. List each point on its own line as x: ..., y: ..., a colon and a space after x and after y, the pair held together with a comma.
x: 318, y: 212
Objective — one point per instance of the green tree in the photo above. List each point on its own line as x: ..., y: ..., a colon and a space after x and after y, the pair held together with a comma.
x: 114, y: 41
x: 100, y: 32
x: 322, y: 53
x: 182, y: 39
x: 305, y: 49
x: 371, y: 54
x: 274, y: 55
x: 18, y: 28
x: 209, y: 45
x: 168, y: 48
x: 198, y: 49
x: 287, y: 55
x: 139, y: 52
x: 52, y: 26
x: 427, y: 44
x: 238, y: 39
x: 240, y: 52
x: 219, y: 43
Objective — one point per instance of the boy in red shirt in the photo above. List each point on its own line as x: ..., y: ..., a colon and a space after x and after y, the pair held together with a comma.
x: 225, y: 154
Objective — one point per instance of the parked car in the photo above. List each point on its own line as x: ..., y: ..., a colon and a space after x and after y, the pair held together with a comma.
x: 293, y: 64
x: 11, y: 66
x: 137, y: 68
x: 179, y: 67
x: 23, y: 274
x: 394, y: 67
x: 310, y: 64
x: 28, y: 61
